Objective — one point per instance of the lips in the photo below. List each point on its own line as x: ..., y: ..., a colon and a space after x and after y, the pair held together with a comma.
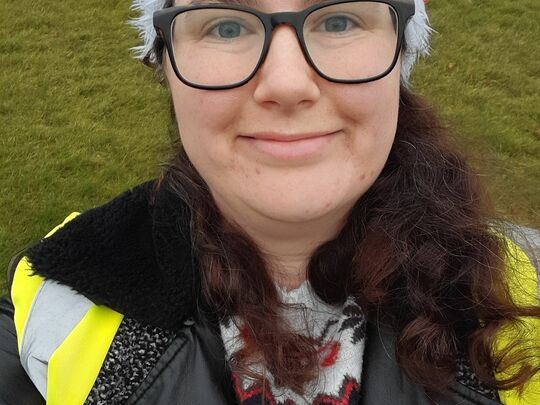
x: 272, y: 136
x: 299, y: 146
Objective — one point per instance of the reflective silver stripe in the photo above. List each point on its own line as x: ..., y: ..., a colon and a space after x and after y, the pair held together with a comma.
x: 527, y: 239
x: 56, y: 311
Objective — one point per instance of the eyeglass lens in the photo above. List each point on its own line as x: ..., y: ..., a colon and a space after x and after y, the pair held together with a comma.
x: 347, y: 41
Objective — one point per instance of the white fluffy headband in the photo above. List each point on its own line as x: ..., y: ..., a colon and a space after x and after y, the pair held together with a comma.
x: 417, y: 34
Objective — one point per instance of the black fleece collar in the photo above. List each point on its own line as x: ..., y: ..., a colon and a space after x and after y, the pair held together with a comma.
x: 132, y: 254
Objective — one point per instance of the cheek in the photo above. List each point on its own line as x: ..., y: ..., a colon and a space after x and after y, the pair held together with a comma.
x: 203, y: 116
x: 371, y: 112
x: 205, y: 122
x: 201, y: 111
x: 369, y: 104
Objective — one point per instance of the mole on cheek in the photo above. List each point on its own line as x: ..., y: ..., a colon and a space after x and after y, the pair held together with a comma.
x: 257, y: 171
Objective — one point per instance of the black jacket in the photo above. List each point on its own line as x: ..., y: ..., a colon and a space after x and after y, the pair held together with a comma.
x: 134, y: 255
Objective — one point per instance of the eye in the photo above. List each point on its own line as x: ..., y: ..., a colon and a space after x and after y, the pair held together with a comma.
x: 335, y: 24
x: 228, y: 30
x: 339, y: 23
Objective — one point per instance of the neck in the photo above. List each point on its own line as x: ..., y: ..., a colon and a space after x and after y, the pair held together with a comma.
x: 287, y: 246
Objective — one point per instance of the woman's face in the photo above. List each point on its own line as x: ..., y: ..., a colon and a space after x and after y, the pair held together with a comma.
x: 240, y: 140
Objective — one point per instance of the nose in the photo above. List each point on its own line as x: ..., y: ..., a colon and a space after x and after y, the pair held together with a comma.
x: 286, y: 80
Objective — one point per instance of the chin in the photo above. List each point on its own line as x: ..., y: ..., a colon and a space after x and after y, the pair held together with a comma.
x: 300, y: 212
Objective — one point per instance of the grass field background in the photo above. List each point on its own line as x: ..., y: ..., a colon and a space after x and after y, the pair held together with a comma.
x: 82, y: 121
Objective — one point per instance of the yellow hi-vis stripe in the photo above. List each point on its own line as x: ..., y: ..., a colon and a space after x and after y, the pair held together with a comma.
x: 523, y: 284
x: 23, y: 292
x: 75, y: 365
x: 25, y: 287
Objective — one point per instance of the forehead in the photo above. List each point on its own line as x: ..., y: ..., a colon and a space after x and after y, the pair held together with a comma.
x: 267, y: 5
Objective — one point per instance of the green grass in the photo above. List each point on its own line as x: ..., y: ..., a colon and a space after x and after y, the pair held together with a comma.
x: 82, y: 121
x: 484, y: 77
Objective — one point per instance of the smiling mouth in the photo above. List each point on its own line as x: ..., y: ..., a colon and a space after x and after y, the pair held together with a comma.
x: 297, y: 146
x: 277, y: 137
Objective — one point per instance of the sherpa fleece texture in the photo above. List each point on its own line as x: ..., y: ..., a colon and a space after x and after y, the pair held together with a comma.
x: 131, y: 254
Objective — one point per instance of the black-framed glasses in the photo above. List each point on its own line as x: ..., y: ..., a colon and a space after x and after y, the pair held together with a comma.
x: 219, y: 46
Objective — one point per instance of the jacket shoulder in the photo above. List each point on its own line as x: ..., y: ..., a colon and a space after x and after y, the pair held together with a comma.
x: 52, y: 322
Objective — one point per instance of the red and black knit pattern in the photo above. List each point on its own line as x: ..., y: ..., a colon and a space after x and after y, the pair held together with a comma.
x: 340, y: 333
x: 348, y: 394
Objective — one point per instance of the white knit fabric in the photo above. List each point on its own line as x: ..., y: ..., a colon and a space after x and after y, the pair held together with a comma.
x: 417, y: 34
x: 340, y: 333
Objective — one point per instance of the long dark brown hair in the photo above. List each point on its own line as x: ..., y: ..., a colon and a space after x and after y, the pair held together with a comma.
x: 421, y: 253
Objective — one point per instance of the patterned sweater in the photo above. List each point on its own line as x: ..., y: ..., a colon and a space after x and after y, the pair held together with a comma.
x: 340, y: 336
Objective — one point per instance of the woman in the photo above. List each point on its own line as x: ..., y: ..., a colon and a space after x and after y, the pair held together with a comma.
x: 315, y: 240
